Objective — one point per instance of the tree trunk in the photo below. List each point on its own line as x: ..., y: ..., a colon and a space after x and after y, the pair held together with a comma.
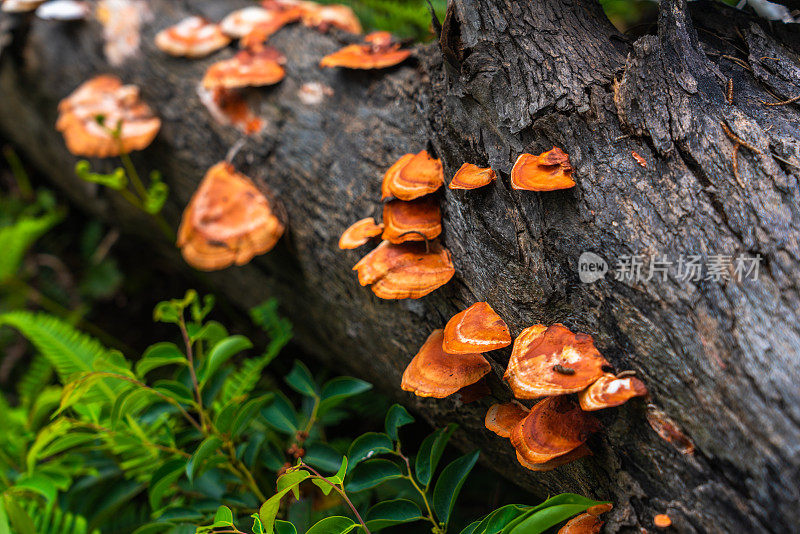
x: 719, y: 356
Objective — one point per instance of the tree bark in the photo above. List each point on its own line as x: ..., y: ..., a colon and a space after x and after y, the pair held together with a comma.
x: 720, y: 357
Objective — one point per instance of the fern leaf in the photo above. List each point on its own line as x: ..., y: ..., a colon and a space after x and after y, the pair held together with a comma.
x: 35, y: 379
x: 17, y: 238
x: 53, y: 520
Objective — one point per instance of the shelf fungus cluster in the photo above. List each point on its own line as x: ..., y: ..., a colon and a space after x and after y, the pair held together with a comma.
x: 409, y: 262
x: 549, y: 171
x: 378, y: 51
x: 588, y: 522
x: 228, y: 221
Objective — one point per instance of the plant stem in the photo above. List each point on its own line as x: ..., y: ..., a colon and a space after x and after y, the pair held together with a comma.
x: 192, y: 373
x: 341, y: 492
x: 436, y: 527
x: 140, y: 189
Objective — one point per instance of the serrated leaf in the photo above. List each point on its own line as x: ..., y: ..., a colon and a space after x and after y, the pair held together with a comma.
x: 394, y: 512
x: 339, y: 389
x: 336, y: 524
x: 300, y: 380
x: 372, y: 473
x: 367, y: 446
x: 396, y: 417
x: 449, y: 484
x: 220, y: 353
x: 194, y: 467
x: 430, y: 452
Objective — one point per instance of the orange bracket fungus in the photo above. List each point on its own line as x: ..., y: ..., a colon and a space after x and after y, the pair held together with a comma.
x: 332, y: 16
x: 552, y: 361
x: 554, y: 427
x: 229, y: 107
x: 122, y: 22
x: 585, y: 523
x: 359, y: 233
x: 609, y: 391
x: 248, y: 68
x: 377, y: 52
x: 103, y: 118
x: 64, y: 10
x: 243, y: 21
x: 405, y: 271
x: 227, y: 221
x: 434, y: 373
x: 548, y: 171
x: 669, y: 430
x: 502, y: 418
x: 476, y: 329
x: 192, y: 37
x: 417, y: 220
x: 471, y: 176
x: 662, y: 521
x: 412, y: 176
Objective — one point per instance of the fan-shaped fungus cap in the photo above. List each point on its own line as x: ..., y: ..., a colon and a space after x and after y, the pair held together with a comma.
x: 585, y: 523
x: 192, y: 37
x: 549, y: 465
x: 20, y: 6
x: 248, y: 68
x: 227, y: 221
x: 65, y: 10
x: 476, y: 329
x: 332, y: 16
x: 662, y: 521
x: 434, y: 373
x: 417, y: 176
x: 502, y: 418
x: 405, y: 271
x: 241, y: 22
x: 417, y: 220
x: 471, y: 176
x: 359, y: 233
x: 609, y: 391
x: 552, y: 361
x: 554, y: 427
x: 376, y: 53
x: 103, y: 118
x: 548, y: 171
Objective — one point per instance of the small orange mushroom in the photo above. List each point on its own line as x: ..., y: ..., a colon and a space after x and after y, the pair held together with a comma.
x: 228, y: 221
x: 405, y: 271
x: 359, y: 233
x: 416, y: 220
x: 599, y: 509
x: 552, y: 361
x: 192, y: 37
x: 242, y: 22
x: 377, y: 52
x: 103, y: 118
x: 64, y: 10
x: 248, y: 68
x: 554, y: 427
x: 332, y: 16
x: 417, y: 176
x: 476, y: 329
x: 585, y: 523
x: 471, y: 176
x: 548, y: 171
x: 662, y: 521
x: 502, y: 418
x: 434, y: 373
x: 609, y: 391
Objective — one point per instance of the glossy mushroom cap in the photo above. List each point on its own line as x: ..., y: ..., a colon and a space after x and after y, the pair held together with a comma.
x: 416, y: 220
x: 548, y: 171
x: 104, y: 99
x: 471, y: 176
x: 476, y: 329
x: 248, y: 68
x: 405, y: 271
x: 228, y: 221
x: 375, y: 53
x: 609, y: 391
x: 359, y: 233
x: 192, y: 37
x: 502, y: 418
x: 554, y: 427
x: 552, y: 361
x: 434, y: 373
x: 585, y: 523
x: 64, y: 10
x: 243, y: 21
x: 332, y: 16
x: 413, y: 176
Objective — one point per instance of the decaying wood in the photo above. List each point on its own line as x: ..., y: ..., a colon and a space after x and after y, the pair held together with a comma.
x: 719, y: 357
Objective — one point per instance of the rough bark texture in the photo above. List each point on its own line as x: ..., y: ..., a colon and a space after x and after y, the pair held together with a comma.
x: 719, y: 357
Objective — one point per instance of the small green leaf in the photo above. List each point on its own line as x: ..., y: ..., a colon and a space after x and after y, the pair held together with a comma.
x: 496, y: 521
x: 396, y: 417
x: 223, y: 514
x: 280, y: 414
x: 340, y: 388
x: 38, y: 483
x: 269, y: 509
x: 449, y: 485
x: 162, y: 479
x: 324, y: 487
x: 371, y: 473
x: 194, y: 467
x: 292, y: 480
x: 300, y: 380
x: 281, y: 527
x: 156, y: 197
x: 542, y: 520
x: 159, y: 355
x: 221, y: 353
x: 394, y: 512
x: 336, y: 524
x: 367, y: 446
x: 430, y: 452
x: 246, y: 413
x: 174, y: 390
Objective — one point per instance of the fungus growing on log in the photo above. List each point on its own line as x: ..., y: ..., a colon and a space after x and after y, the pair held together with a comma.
x: 413, y: 176
x: 662, y: 521
x: 554, y: 427
x: 585, y: 523
x: 502, y: 418
x: 242, y: 22
x: 476, y: 329
x: 64, y: 10
x: 337, y: 16
x: 548, y: 171
x: 434, y: 373
x: 359, y: 233
x: 609, y: 391
x: 248, y: 68
x: 228, y: 221
x: 229, y: 107
x: 669, y: 430
x: 417, y: 220
x: 377, y: 52
x: 405, y: 271
x: 192, y: 37
x: 103, y: 118
x: 581, y: 452
x: 471, y: 176
x: 552, y: 361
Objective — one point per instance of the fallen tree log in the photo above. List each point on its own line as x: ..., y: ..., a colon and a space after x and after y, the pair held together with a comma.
x: 719, y: 354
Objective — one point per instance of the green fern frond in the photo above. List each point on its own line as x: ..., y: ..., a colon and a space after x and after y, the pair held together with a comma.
x: 36, y: 377
x: 53, y: 520
x: 17, y: 238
